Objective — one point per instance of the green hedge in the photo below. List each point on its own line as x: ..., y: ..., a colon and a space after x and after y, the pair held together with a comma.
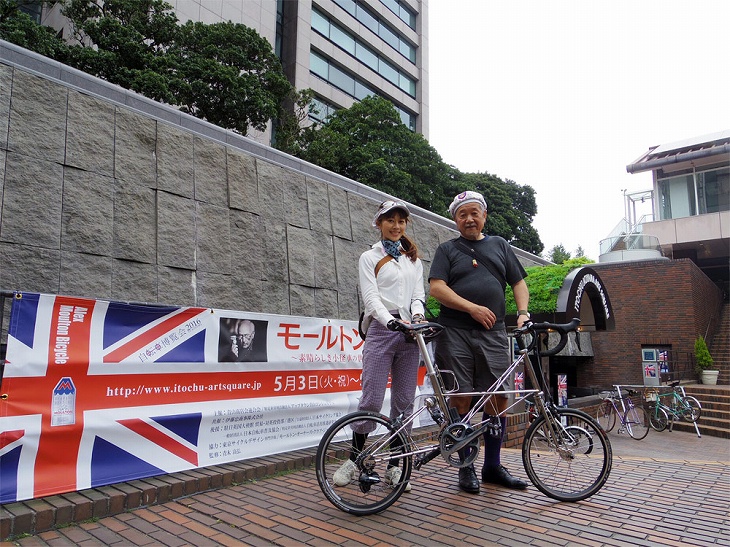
x: 544, y: 283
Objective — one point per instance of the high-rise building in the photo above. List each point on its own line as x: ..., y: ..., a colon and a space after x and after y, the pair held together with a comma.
x: 344, y: 50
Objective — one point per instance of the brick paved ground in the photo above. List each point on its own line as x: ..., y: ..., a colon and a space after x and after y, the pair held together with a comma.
x: 645, y: 502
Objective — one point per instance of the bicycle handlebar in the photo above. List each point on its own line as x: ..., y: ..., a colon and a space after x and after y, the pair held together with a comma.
x: 431, y: 330
x: 538, y: 328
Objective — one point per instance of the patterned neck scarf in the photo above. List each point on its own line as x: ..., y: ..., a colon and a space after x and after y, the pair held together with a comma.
x: 392, y: 248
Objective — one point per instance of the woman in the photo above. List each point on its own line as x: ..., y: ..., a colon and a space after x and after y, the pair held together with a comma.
x: 391, y: 286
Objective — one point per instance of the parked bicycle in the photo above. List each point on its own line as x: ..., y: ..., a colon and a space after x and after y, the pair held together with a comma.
x: 565, y: 453
x: 671, y: 405
x: 634, y: 419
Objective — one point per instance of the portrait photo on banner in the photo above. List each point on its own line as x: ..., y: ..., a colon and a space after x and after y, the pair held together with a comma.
x: 242, y: 340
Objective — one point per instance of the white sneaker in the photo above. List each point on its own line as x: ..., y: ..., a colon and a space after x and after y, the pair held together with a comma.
x: 392, y: 477
x: 345, y: 474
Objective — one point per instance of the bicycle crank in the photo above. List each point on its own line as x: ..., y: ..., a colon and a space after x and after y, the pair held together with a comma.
x: 459, y: 445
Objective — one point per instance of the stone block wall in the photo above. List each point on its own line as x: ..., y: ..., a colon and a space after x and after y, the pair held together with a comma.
x: 103, y: 200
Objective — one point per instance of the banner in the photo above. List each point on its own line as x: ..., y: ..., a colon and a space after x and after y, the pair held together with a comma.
x: 98, y: 392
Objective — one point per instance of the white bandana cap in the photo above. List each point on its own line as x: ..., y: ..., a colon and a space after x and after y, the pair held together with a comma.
x: 387, y: 206
x: 464, y: 198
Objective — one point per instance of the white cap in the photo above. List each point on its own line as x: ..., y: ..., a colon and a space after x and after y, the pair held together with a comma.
x: 388, y: 206
x: 464, y: 198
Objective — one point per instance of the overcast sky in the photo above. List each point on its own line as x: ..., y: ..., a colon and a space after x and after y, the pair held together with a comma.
x: 562, y: 95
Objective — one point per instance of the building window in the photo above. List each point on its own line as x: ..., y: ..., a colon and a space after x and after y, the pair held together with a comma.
x: 32, y: 9
x: 360, y: 51
x: 321, y: 110
x: 402, y: 11
x: 391, y: 37
x: 691, y: 194
x: 339, y: 78
x: 713, y: 190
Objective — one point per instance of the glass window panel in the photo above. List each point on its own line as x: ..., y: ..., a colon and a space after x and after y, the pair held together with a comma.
x: 318, y: 65
x: 340, y: 79
x: 714, y: 190
x: 366, y: 56
x: 407, y: 85
x: 677, y: 197
x: 388, y: 71
x: 408, y: 119
x: 367, y: 18
x: 408, y: 51
x: 320, y: 23
x: 408, y: 16
x: 342, y: 39
x: 348, y: 5
x: 390, y: 37
x: 392, y: 5
x: 362, y: 91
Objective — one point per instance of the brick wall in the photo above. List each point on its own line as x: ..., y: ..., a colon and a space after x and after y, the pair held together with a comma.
x: 656, y: 302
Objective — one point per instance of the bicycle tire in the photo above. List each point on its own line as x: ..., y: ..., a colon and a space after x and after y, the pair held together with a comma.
x: 658, y: 418
x: 637, y: 422
x: 690, y: 408
x: 368, y: 492
x: 606, y: 416
x: 573, y: 466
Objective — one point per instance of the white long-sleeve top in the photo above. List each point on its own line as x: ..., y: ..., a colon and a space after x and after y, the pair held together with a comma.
x: 399, y: 285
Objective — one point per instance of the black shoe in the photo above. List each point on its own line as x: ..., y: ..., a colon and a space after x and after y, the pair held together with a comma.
x: 500, y: 475
x: 468, y: 481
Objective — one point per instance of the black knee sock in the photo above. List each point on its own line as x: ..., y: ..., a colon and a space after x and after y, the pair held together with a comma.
x: 358, y: 441
x: 493, y: 445
x: 394, y: 445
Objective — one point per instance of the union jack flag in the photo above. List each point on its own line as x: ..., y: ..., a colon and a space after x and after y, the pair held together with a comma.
x: 519, y: 381
x: 79, y: 440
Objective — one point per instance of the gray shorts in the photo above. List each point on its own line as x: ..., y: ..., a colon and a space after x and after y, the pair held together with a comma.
x: 476, y: 357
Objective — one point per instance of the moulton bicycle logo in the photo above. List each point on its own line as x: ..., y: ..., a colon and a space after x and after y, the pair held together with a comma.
x: 585, y: 280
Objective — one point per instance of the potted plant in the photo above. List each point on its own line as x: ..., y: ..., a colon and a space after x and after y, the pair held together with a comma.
x: 704, y: 362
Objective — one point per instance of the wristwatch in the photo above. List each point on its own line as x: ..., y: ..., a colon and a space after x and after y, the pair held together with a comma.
x: 523, y: 312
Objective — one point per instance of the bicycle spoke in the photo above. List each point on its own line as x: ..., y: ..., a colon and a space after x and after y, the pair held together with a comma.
x: 363, y: 486
x: 572, y: 466
x: 637, y: 422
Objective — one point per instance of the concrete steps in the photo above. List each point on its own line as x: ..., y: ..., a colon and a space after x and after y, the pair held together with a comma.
x: 715, y: 418
x: 720, y: 347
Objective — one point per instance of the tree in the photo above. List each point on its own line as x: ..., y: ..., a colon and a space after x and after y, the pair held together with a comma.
x: 18, y: 28
x: 224, y: 73
x: 368, y: 143
x: 230, y: 75
x: 511, y: 209
x: 558, y: 254
x: 294, y: 123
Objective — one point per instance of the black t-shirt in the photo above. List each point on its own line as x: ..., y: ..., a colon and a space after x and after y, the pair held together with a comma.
x: 476, y: 284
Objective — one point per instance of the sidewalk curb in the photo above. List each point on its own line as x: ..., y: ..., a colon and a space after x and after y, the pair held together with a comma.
x: 41, y: 514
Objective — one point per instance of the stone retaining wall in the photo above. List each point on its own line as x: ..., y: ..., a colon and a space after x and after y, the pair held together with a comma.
x: 103, y: 200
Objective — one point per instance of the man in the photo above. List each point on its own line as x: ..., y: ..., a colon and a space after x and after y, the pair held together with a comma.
x: 239, y: 346
x: 468, y: 276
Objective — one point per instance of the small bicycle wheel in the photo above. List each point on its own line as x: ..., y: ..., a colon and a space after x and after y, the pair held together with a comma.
x: 569, y: 457
x: 690, y: 408
x: 362, y: 486
x: 606, y: 416
x: 658, y: 418
x: 637, y: 422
